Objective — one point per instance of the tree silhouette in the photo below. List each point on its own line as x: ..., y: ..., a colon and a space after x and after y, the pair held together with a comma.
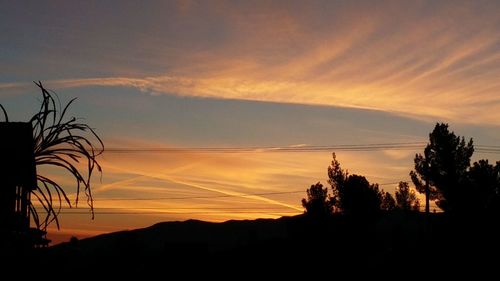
x: 336, y: 178
x: 485, y: 186
x: 406, y: 199
x: 318, y: 203
x: 388, y: 202
x: 359, y: 197
x: 441, y: 172
x: 353, y: 194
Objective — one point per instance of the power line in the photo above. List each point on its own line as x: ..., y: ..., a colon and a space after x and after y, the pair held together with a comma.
x: 389, y: 183
x: 488, y: 150
x: 176, y: 213
x: 305, y: 148
x: 210, y: 197
x: 489, y: 146
x: 494, y: 149
x: 183, y: 208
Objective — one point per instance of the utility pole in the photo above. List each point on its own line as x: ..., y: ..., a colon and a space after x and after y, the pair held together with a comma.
x: 427, y: 197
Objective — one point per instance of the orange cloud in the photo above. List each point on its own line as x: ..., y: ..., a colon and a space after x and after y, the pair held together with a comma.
x: 392, y: 57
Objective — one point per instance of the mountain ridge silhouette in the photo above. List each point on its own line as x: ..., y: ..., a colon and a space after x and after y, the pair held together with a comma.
x: 396, y: 239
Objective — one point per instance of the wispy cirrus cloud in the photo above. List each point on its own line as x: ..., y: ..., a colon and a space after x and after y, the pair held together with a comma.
x: 420, y: 59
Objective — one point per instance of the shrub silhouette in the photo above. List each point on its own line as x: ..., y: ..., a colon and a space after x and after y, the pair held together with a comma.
x: 318, y: 203
x: 484, y: 180
x: 353, y: 194
x: 359, y: 197
x: 406, y: 199
x: 388, y: 202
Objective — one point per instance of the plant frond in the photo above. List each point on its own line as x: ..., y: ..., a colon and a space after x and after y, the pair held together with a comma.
x: 62, y: 142
x: 5, y: 115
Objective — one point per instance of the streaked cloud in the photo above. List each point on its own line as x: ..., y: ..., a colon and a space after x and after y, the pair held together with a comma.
x: 394, y: 57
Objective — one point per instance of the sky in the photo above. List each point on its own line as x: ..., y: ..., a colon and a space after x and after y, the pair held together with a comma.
x: 191, y: 74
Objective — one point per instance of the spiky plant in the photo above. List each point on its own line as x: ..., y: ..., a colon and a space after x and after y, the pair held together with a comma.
x: 62, y: 142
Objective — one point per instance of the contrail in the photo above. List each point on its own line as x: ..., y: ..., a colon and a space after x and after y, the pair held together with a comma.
x: 202, y: 187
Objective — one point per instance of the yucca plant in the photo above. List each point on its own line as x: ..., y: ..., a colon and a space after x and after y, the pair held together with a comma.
x: 66, y: 143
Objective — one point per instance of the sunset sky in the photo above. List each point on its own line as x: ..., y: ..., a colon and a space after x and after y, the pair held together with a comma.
x: 193, y: 74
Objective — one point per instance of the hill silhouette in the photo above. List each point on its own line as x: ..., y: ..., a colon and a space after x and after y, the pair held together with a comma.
x: 403, y: 242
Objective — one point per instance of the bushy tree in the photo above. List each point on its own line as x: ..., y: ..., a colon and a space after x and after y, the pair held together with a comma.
x: 318, y: 203
x: 359, y: 196
x: 353, y: 194
x: 406, y: 199
x: 484, y: 179
x: 388, y: 202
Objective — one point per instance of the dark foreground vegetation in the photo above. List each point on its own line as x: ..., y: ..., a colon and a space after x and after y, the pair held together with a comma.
x: 392, y: 243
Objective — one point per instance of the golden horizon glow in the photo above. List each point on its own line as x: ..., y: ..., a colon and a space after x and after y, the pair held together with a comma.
x: 206, y: 176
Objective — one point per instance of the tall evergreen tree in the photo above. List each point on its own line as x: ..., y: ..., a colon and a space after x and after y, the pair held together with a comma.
x: 441, y: 173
